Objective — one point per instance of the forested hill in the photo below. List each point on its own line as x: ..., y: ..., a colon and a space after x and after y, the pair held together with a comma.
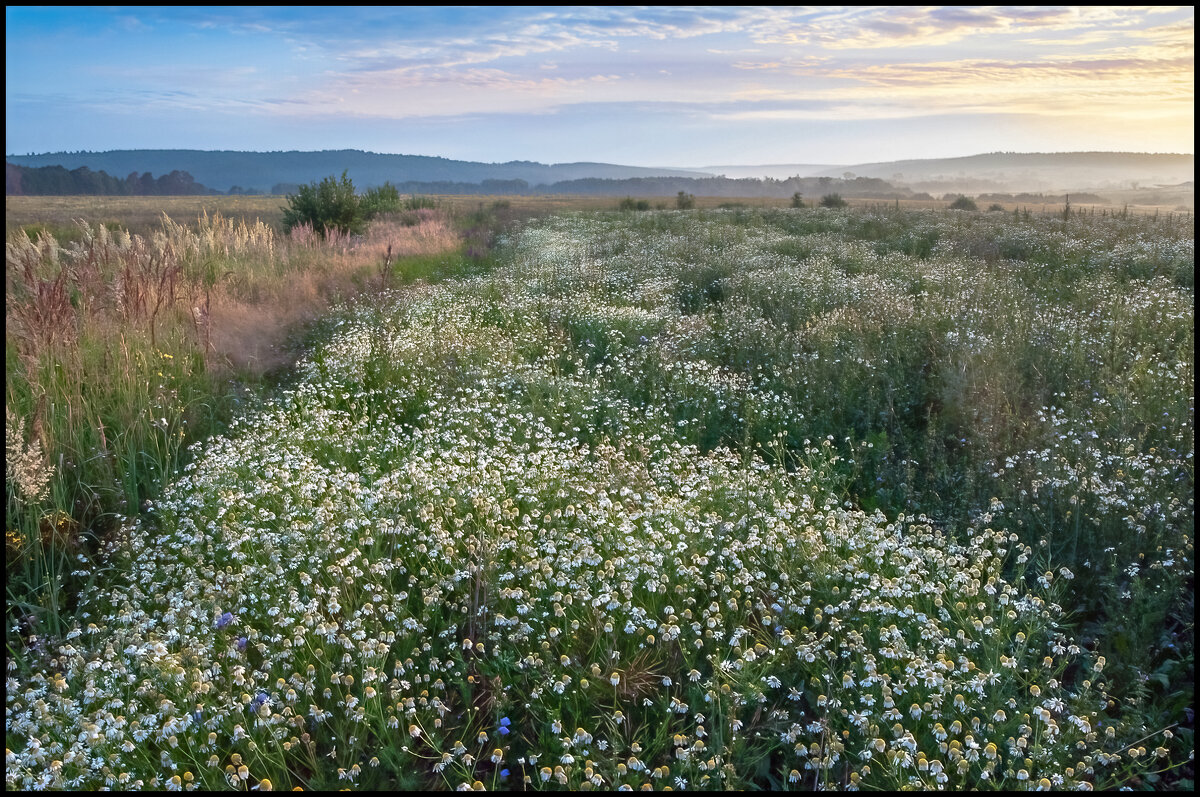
x: 262, y: 171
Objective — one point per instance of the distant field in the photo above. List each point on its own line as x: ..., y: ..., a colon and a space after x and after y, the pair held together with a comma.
x: 139, y: 214
x: 143, y: 214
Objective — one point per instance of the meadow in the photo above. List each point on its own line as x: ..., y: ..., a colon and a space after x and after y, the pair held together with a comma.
x: 749, y: 498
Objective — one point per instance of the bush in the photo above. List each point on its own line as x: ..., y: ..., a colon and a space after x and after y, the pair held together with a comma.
x: 833, y: 201
x: 995, y: 206
x: 964, y: 203
x: 798, y: 200
x: 629, y: 203
x: 685, y: 201
x: 331, y: 205
x: 418, y: 202
x: 384, y: 199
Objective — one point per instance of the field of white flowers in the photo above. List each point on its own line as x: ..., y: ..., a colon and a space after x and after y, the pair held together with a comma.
x: 731, y: 499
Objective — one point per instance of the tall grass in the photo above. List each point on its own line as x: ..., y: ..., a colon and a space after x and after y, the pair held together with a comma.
x: 123, y: 349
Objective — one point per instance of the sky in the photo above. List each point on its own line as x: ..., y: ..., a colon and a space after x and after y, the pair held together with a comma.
x: 647, y: 86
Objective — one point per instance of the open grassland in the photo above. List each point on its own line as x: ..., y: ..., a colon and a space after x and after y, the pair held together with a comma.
x: 143, y: 215
x: 743, y: 498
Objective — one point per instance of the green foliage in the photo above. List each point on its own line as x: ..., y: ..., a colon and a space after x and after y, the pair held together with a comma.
x: 964, y: 203
x: 685, y: 201
x: 382, y: 199
x: 418, y: 202
x: 629, y: 203
x: 798, y: 200
x: 833, y: 201
x: 330, y: 205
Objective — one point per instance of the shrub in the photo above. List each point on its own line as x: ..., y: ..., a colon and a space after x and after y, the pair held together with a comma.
x: 833, y: 201
x: 798, y: 200
x: 685, y: 201
x: 964, y: 203
x: 384, y: 199
x: 331, y: 205
x: 629, y: 203
x: 417, y: 202
x: 994, y: 206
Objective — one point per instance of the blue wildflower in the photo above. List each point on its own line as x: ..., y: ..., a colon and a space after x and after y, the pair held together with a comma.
x: 224, y: 620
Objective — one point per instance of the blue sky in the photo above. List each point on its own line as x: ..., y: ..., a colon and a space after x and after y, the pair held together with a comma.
x: 642, y: 86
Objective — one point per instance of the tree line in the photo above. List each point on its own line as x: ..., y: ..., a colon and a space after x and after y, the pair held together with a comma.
x: 860, y: 187
x: 59, y: 181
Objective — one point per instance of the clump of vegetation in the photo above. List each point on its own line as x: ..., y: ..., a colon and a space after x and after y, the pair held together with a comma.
x: 798, y: 200
x: 685, y: 201
x: 833, y: 201
x: 379, y: 200
x: 964, y: 203
x: 629, y: 203
x: 995, y: 207
x: 333, y: 206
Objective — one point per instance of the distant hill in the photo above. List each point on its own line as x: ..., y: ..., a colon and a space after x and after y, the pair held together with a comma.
x: 1030, y: 171
x: 777, y: 171
x: 261, y: 171
x: 997, y: 172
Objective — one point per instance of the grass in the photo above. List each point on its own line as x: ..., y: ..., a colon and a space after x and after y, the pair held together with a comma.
x: 741, y: 498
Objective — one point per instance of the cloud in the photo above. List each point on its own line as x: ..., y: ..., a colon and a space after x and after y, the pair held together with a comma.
x: 874, y: 28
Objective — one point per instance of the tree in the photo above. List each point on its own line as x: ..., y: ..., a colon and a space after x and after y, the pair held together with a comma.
x: 798, y: 200
x: 331, y: 205
x: 685, y: 201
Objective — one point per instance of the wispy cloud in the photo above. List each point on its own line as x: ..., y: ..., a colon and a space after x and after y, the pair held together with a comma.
x: 879, y: 28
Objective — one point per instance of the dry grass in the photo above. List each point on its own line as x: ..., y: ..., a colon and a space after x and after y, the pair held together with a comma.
x: 247, y: 325
x: 137, y: 214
